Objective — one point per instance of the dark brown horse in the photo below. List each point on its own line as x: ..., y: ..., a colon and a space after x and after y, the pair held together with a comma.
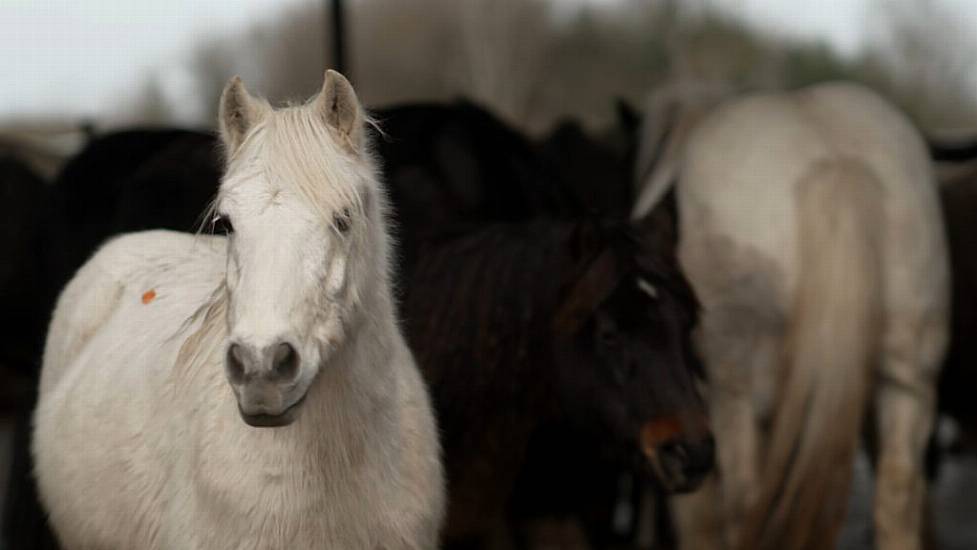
x: 522, y: 326
x: 958, y: 380
x: 23, y: 197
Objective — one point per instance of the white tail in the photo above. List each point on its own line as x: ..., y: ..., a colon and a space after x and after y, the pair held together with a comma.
x: 834, y: 333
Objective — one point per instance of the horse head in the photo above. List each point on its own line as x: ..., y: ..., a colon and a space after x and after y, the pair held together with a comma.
x: 300, y: 206
x: 625, y: 346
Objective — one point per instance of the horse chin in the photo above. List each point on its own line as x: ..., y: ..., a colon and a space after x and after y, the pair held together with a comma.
x: 265, y: 420
x: 671, y: 478
x: 677, y: 462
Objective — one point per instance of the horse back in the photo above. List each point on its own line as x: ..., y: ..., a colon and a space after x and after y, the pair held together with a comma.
x: 744, y: 162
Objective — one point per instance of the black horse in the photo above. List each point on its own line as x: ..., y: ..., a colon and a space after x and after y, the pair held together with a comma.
x: 23, y: 199
x: 523, y: 326
x: 128, y: 181
x: 596, y: 172
x: 456, y: 164
x: 959, y: 375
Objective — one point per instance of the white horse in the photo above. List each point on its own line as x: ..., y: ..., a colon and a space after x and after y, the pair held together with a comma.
x: 810, y: 229
x: 163, y: 342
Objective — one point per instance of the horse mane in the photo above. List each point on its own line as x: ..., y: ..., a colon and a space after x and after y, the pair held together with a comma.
x: 207, y: 338
x: 494, y: 291
x: 484, y: 291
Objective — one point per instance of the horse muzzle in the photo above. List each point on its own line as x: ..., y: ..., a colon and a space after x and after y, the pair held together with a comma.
x: 266, y: 383
x: 677, y: 460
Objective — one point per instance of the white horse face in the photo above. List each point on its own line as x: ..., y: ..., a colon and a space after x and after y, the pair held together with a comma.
x: 293, y: 205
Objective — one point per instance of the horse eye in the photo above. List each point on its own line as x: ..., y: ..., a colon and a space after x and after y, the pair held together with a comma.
x: 624, y: 371
x: 222, y: 224
x: 607, y: 338
x: 342, y: 220
x: 606, y: 333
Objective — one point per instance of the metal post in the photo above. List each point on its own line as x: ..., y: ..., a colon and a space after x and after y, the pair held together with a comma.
x: 339, y: 38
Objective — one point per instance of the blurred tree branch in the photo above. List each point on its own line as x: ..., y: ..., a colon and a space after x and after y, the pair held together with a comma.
x: 535, y: 61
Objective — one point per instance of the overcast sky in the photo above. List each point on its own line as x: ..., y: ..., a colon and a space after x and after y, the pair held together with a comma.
x: 85, y: 57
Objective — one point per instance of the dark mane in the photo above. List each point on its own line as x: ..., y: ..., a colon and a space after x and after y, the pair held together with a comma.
x: 648, y: 256
x: 492, y: 293
x: 488, y: 293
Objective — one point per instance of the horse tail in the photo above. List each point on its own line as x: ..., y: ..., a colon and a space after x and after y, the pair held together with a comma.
x: 834, y: 331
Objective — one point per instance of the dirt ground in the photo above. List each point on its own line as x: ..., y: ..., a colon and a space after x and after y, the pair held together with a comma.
x: 953, y: 499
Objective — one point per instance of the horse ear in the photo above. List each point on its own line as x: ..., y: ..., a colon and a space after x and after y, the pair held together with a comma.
x: 659, y: 228
x: 628, y: 117
x: 585, y: 239
x: 238, y: 113
x: 339, y: 107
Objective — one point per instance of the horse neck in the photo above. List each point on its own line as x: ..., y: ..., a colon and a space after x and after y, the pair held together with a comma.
x: 356, y: 383
x: 361, y: 375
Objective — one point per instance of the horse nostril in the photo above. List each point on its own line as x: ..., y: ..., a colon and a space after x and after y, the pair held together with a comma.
x: 285, y: 363
x: 235, y: 364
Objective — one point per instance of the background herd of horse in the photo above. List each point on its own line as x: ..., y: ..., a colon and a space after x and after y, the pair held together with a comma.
x: 493, y: 229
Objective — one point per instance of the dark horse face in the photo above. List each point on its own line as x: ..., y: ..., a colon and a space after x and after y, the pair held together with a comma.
x: 627, y: 363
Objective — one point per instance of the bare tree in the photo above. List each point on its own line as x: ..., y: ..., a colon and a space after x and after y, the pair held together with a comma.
x: 150, y: 104
x: 535, y: 61
x: 214, y: 62
x: 504, y: 44
x: 929, y: 59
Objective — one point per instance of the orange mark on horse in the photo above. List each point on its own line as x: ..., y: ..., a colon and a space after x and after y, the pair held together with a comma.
x: 148, y: 296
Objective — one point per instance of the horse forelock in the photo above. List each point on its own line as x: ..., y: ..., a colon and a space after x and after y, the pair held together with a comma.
x: 653, y: 261
x: 294, y: 149
x: 620, y: 255
x: 601, y: 277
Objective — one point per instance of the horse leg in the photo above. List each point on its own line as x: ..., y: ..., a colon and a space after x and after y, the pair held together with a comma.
x: 743, y: 360
x: 738, y: 338
x: 905, y: 410
x: 739, y: 344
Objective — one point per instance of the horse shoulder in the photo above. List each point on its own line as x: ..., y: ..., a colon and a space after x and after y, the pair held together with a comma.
x: 107, y: 326
x: 94, y: 294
